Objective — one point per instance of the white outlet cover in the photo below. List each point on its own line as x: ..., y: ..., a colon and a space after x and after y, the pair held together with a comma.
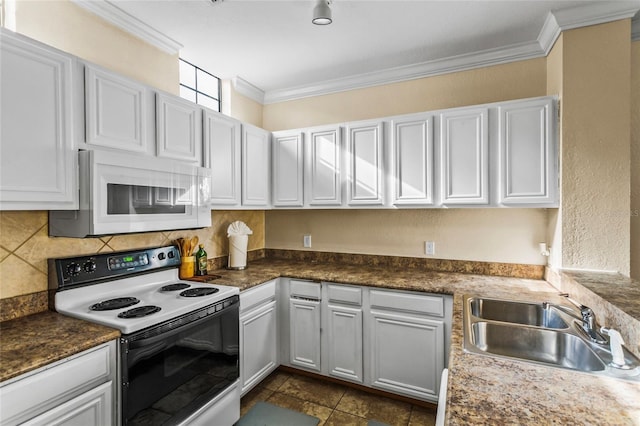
x: 307, y: 241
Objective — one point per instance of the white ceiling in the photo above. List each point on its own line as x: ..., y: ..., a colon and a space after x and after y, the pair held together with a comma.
x: 274, y: 46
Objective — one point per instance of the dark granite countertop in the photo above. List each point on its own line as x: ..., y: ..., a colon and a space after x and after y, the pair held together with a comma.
x: 31, y: 342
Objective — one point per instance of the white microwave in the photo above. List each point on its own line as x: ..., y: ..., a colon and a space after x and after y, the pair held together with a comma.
x: 122, y: 193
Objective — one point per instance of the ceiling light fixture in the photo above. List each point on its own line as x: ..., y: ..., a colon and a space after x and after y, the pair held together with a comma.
x: 322, y: 13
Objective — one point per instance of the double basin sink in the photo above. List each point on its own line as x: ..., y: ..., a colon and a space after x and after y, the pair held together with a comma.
x: 540, y: 333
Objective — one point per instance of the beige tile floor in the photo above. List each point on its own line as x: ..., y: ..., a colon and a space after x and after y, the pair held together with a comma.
x: 334, y: 404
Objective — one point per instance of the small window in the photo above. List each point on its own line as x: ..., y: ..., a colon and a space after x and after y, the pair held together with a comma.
x: 199, y: 86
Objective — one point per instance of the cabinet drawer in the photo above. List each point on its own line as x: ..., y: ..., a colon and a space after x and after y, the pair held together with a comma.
x: 344, y: 294
x: 50, y: 387
x: 426, y: 304
x: 306, y: 289
x: 257, y: 295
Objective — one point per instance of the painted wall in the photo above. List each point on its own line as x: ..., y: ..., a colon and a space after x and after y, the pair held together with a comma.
x: 635, y: 160
x: 596, y: 76
x: 515, y: 80
x: 70, y: 28
x: 469, y: 234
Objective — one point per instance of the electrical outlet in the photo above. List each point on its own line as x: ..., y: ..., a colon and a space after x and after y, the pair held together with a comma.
x: 306, y: 241
x: 429, y: 248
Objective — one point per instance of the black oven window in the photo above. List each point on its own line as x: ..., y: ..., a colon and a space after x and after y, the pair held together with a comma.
x: 173, y: 374
x: 134, y: 200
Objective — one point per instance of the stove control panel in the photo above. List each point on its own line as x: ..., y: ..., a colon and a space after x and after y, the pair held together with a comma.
x: 84, y: 270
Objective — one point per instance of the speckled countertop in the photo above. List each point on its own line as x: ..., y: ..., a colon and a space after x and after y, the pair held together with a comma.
x: 36, y: 340
x: 482, y: 390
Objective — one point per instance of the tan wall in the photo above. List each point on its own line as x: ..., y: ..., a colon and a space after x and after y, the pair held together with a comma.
x: 493, y: 235
x: 70, y: 28
x: 467, y: 234
x: 245, y: 109
x: 635, y: 160
x: 596, y: 147
x: 516, y: 80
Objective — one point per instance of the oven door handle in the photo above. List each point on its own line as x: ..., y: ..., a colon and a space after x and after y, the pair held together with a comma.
x: 134, y: 344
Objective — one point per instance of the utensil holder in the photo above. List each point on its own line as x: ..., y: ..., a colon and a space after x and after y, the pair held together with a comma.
x: 187, y: 267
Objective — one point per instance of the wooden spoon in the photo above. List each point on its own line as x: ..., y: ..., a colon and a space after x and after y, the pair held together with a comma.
x: 194, y: 242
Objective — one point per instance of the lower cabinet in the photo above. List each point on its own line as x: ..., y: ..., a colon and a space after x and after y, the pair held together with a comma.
x: 395, y: 341
x: 258, y: 334
x: 79, y: 390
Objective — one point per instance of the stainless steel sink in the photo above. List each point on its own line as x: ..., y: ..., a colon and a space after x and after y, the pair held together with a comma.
x: 538, y: 315
x: 540, y: 345
x: 542, y: 333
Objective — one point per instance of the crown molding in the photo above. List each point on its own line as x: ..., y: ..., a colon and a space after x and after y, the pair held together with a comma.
x: 247, y: 89
x: 448, y: 65
x: 121, y: 19
x: 556, y: 22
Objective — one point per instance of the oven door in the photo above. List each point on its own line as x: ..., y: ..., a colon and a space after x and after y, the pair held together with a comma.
x: 123, y: 193
x: 173, y: 370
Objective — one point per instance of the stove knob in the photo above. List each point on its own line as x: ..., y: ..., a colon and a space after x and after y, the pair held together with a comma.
x: 161, y: 256
x: 73, y: 268
x: 89, y: 266
x: 171, y: 254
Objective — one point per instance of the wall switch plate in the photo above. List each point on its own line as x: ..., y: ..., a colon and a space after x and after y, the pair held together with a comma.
x: 429, y: 248
x: 306, y: 241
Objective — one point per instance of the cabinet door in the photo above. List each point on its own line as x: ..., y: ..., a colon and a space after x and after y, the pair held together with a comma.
x: 179, y: 129
x: 407, y: 354
x: 464, y: 145
x: 222, y: 156
x: 323, y: 174
x: 412, y: 160
x: 255, y: 166
x: 92, y: 408
x: 258, y: 349
x: 528, y: 173
x: 287, y: 169
x: 116, y: 111
x: 304, y: 333
x: 365, y: 164
x: 344, y: 340
x: 38, y: 154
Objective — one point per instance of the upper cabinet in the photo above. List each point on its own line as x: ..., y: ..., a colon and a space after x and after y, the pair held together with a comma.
x: 222, y: 154
x: 118, y: 111
x: 38, y: 153
x: 323, y: 176
x: 256, y: 159
x: 365, y: 166
x: 528, y: 154
x: 288, y: 168
x: 178, y: 129
x: 464, y: 151
x: 412, y: 160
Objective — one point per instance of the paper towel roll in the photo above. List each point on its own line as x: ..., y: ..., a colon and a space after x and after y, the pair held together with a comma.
x: 238, y: 251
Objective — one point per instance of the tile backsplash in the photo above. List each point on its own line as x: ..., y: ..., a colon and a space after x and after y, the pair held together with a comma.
x: 25, y: 245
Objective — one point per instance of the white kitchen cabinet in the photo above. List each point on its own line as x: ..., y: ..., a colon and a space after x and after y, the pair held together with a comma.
x: 343, y: 340
x: 222, y: 154
x: 38, y: 150
x: 464, y: 150
x: 412, y: 165
x: 409, y: 336
x: 323, y: 172
x: 79, y: 390
x: 256, y: 160
x: 178, y: 129
x: 288, y: 168
x: 528, y: 155
x: 258, y: 334
x: 365, y: 165
x: 117, y: 112
x: 304, y: 333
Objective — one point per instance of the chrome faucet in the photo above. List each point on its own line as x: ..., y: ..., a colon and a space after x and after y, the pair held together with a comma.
x: 588, y: 318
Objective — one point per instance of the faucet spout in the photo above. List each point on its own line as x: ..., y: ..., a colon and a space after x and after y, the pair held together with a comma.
x: 587, y: 318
